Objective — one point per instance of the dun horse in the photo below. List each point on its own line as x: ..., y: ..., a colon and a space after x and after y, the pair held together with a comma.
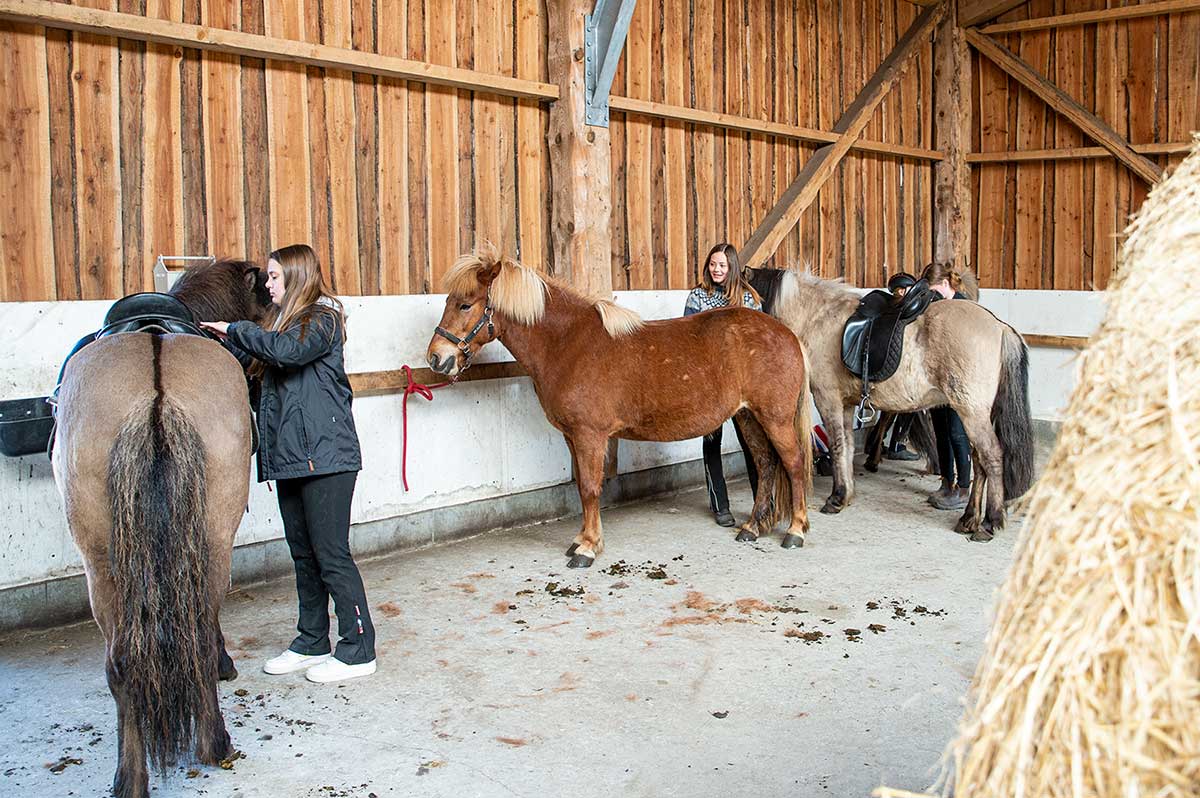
x: 600, y: 371
x: 152, y: 460
x: 957, y: 353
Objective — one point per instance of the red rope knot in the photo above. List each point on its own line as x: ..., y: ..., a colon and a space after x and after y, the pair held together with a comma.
x: 425, y: 392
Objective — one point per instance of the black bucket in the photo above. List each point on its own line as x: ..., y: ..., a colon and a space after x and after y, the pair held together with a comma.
x: 25, y: 426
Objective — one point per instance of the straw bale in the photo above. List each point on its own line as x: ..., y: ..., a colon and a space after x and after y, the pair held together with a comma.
x: 1090, y: 684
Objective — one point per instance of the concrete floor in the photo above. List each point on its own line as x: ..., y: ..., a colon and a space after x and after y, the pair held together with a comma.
x: 681, y: 668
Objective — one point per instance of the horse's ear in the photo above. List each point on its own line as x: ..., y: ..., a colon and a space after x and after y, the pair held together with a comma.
x: 489, y: 273
x: 251, y: 276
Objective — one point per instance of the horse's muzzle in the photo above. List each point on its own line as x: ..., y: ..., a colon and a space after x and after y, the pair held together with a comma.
x: 443, y: 366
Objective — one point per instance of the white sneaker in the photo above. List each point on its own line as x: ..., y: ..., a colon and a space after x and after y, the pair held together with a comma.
x: 334, y: 670
x: 289, y: 661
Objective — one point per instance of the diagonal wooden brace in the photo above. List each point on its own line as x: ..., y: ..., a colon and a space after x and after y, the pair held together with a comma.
x: 1057, y: 99
x: 799, y: 195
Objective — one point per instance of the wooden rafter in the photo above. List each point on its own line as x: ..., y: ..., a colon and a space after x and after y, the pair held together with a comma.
x: 973, y: 12
x: 1088, y: 17
x: 201, y: 37
x: 799, y: 195
x: 1061, y: 102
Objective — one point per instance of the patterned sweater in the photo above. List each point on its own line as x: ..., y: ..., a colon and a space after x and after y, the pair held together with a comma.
x: 699, y: 300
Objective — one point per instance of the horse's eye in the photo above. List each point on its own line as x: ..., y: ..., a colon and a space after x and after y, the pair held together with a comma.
x: 464, y: 306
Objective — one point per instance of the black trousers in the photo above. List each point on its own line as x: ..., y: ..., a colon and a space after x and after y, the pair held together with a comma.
x: 316, y: 523
x: 714, y: 470
x: 953, y: 446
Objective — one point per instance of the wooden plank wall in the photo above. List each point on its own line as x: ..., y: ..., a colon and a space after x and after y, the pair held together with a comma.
x: 122, y: 151
x: 1056, y: 224
x: 678, y: 188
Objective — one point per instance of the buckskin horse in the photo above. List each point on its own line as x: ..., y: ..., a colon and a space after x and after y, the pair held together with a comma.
x: 600, y: 371
x: 152, y: 457
x: 957, y: 353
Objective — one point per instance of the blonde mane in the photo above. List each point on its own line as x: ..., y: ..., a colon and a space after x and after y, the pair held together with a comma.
x: 519, y: 292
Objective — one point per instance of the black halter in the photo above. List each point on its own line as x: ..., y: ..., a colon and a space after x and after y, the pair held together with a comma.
x: 462, y: 343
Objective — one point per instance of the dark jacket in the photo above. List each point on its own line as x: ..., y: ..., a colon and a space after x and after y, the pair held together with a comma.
x: 305, y: 427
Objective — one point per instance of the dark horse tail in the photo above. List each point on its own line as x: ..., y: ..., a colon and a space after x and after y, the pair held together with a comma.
x: 1011, y: 417
x: 164, y: 651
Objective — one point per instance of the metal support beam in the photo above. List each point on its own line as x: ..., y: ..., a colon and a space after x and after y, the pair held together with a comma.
x: 604, y: 37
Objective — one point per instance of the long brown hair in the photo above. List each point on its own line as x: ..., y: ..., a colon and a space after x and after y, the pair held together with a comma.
x: 304, y: 294
x: 736, y: 284
x: 936, y: 272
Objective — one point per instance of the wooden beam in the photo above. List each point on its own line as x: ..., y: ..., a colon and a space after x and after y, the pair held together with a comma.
x: 800, y: 194
x: 1057, y: 99
x: 1070, y: 153
x: 1088, y: 17
x: 972, y: 12
x: 200, y: 37
x: 369, y: 383
x: 952, y: 126
x: 1057, y: 341
x: 580, y: 169
x: 631, y: 105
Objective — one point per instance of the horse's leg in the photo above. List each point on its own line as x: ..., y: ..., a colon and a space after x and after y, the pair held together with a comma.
x: 989, y: 472
x: 782, y: 433
x: 226, y: 670
x: 969, y: 522
x: 589, y: 478
x: 765, y: 461
x: 833, y: 415
x: 131, y: 779
x: 574, y: 473
x: 212, y: 737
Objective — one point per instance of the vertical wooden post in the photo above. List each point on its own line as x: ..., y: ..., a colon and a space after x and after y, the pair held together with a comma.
x: 952, y: 124
x: 581, y: 200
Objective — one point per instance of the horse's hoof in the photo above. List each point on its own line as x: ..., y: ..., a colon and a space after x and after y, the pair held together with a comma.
x: 981, y: 536
x: 793, y: 542
x: 571, y: 551
x: 581, y: 561
x: 746, y: 536
x: 227, y: 675
x: 872, y: 467
x: 830, y: 507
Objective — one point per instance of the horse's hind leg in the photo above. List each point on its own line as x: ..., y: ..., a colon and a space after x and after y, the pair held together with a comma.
x: 765, y: 461
x: 588, y: 452
x: 226, y: 670
x: 131, y: 779
x: 782, y: 433
x: 989, y: 477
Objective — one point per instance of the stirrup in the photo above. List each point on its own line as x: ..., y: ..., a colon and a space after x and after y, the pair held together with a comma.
x: 865, y: 413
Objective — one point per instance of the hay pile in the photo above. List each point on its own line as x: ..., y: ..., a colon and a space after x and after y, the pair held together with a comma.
x: 1090, y: 685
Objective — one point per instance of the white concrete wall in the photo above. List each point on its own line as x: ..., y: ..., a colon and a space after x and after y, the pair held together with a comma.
x: 474, y: 441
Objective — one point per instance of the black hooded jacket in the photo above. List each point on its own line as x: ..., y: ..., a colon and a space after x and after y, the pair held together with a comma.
x: 305, y: 427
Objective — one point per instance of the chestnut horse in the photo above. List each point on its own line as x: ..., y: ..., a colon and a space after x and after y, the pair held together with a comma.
x: 152, y: 460
x: 958, y: 354
x: 600, y: 371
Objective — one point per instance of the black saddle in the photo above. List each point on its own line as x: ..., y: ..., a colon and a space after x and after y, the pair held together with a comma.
x: 150, y: 312
x: 873, y: 338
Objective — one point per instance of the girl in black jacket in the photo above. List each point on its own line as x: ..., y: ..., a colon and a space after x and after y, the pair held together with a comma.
x: 308, y: 445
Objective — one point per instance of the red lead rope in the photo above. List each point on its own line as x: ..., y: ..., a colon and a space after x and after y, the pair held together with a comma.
x: 426, y: 392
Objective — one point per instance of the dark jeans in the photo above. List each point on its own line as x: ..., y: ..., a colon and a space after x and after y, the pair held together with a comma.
x: 316, y: 523
x: 953, y: 446
x: 714, y: 470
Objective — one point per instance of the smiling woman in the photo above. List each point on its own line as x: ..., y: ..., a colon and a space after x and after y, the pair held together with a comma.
x: 723, y: 285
